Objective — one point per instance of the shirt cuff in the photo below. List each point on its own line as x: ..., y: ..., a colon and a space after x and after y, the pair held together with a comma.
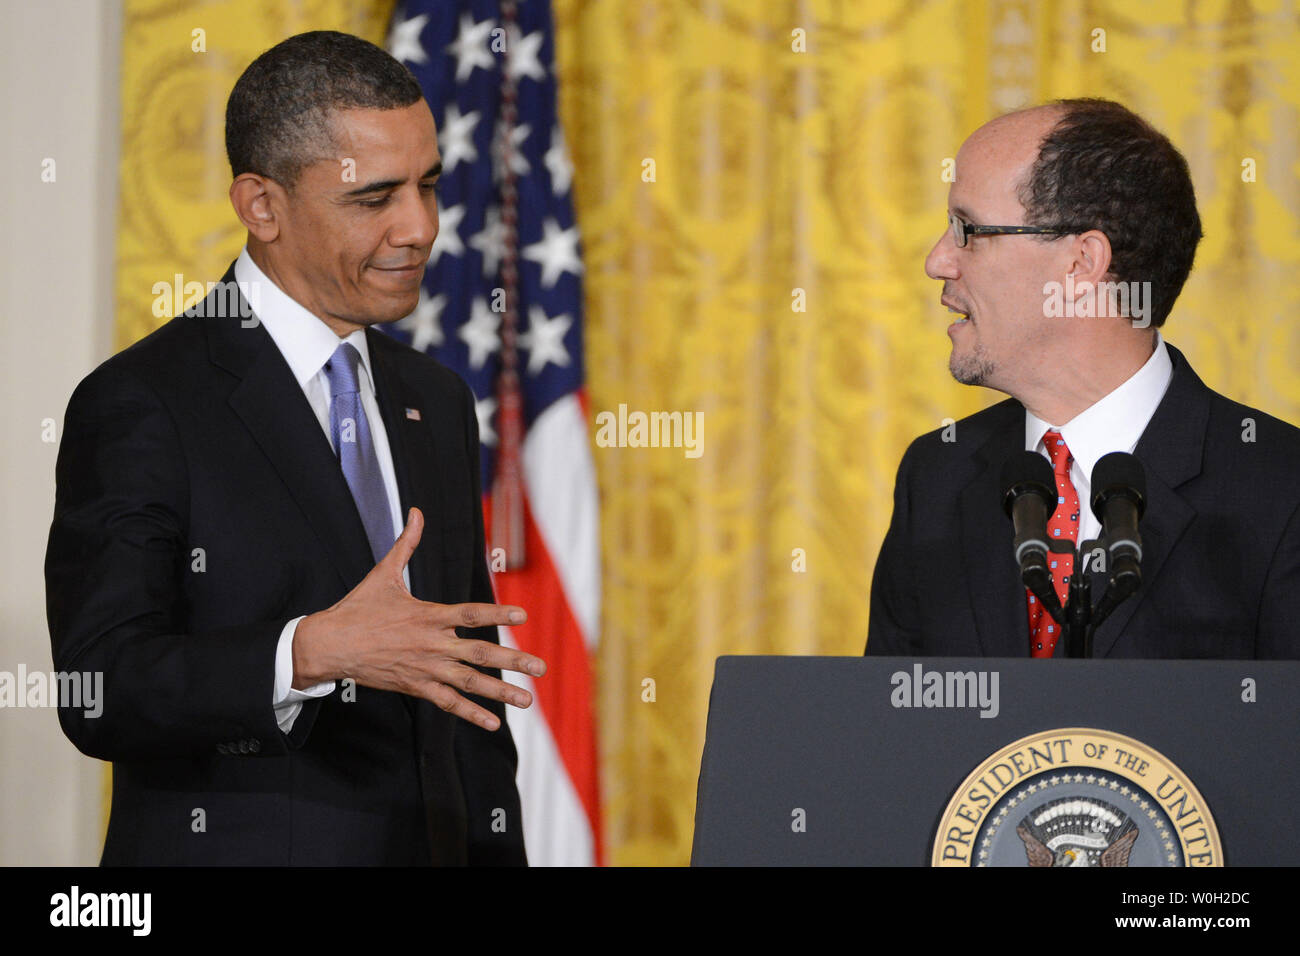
x: 288, y: 701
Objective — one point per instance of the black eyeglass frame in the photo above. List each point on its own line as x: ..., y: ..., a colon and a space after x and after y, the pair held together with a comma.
x: 963, y: 230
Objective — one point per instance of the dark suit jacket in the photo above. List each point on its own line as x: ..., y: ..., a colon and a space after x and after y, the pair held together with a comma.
x: 199, y: 508
x: 1221, y: 539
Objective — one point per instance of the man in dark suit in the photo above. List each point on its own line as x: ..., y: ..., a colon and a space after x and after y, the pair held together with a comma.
x: 259, y: 504
x: 1047, y: 205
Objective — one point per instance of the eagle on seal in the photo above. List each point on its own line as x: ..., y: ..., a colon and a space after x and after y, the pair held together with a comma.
x: 1077, y: 832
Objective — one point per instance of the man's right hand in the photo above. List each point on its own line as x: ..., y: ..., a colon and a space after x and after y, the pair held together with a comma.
x: 381, y: 636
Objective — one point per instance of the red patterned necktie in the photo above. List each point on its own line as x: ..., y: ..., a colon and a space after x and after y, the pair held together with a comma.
x: 1063, y: 525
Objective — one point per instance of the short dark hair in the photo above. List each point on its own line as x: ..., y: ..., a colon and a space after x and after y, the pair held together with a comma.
x: 278, y: 114
x: 1104, y: 167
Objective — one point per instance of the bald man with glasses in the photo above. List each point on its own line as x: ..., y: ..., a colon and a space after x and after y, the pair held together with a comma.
x: 1061, y: 306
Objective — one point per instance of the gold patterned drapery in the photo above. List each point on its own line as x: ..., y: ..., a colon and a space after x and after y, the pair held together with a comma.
x: 737, y: 159
x: 179, y: 63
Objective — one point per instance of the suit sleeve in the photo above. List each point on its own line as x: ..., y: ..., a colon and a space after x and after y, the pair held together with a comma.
x: 1278, y: 637
x: 115, y: 600
x: 487, y: 760
x: 895, y: 624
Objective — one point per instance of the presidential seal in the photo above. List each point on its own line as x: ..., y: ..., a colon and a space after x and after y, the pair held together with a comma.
x: 1077, y: 797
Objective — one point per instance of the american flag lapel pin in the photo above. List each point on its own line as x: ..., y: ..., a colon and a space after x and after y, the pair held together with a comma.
x: 413, y: 414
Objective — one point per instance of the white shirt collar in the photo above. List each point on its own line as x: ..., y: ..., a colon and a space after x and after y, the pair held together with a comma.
x: 304, y: 340
x: 1115, y: 422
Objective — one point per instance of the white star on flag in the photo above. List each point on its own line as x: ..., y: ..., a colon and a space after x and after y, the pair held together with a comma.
x: 457, y: 138
x: 518, y: 161
x: 556, y: 252
x: 522, y: 59
x: 448, y: 240
x: 557, y: 161
x: 470, y: 47
x: 404, y: 40
x: 423, y: 323
x: 544, y: 340
x: 491, y: 241
x: 480, y: 333
x: 484, y: 408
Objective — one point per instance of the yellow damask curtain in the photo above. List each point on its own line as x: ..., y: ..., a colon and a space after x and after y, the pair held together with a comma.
x: 758, y: 183
x: 179, y: 63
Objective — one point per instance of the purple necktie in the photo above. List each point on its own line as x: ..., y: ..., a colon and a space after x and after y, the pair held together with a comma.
x: 352, y: 443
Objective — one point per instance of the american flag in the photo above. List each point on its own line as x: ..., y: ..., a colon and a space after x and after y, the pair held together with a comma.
x: 502, y: 306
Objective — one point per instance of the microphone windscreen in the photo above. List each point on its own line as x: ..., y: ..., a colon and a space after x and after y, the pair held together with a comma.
x: 1028, y: 472
x: 1118, y: 473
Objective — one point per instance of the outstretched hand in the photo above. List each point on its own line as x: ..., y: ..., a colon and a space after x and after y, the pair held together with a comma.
x: 381, y: 636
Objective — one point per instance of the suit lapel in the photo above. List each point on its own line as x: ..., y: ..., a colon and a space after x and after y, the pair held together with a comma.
x: 274, y: 410
x: 997, y: 597
x: 414, y: 462
x: 1170, y: 451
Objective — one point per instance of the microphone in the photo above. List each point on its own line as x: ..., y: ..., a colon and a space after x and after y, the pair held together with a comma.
x: 1029, y: 499
x: 1119, y: 494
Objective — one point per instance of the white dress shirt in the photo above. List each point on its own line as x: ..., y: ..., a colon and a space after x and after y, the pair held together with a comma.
x: 1113, y: 423
x: 307, y: 343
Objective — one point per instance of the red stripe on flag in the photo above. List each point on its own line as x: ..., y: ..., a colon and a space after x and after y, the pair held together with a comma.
x: 551, y: 632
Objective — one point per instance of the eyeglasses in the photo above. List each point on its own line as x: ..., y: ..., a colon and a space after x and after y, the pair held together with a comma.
x: 962, y: 230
